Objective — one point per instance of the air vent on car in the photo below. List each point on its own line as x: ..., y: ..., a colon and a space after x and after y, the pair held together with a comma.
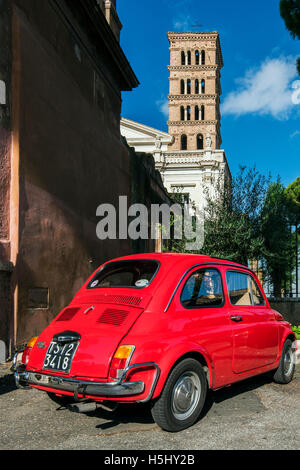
x: 113, y: 316
x: 68, y: 314
x: 120, y: 299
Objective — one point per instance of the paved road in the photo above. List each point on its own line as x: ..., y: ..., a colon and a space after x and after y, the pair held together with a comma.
x: 255, y: 414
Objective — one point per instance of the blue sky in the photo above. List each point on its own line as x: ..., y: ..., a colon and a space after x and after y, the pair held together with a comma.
x: 261, y: 89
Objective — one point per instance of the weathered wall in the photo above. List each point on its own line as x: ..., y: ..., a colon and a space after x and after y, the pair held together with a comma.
x: 71, y: 160
x: 5, y: 127
x: 5, y: 300
x: 289, y: 308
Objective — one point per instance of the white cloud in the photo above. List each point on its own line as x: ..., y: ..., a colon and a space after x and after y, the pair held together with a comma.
x: 294, y: 134
x: 182, y: 23
x: 265, y: 90
x: 163, y: 106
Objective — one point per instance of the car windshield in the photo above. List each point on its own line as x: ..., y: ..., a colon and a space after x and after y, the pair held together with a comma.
x: 132, y: 273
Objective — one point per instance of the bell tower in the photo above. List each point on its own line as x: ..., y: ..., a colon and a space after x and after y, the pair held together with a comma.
x: 195, y: 89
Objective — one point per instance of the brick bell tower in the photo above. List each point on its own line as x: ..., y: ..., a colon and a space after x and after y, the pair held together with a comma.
x: 195, y: 89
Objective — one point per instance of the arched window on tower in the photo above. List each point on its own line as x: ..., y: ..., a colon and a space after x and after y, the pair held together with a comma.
x: 188, y: 113
x: 202, y: 113
x: 182, y: 87
x: 182, y: 113
x: 182, y: 58
x: 197, y: 86
x: 200, y: 143
x: 183, y: 142
x: 189, y: 58
x: 202, y: 57
x: 196, y: 113
x: 188, y: 86
x: 197, y: 58
x: 203, y: 86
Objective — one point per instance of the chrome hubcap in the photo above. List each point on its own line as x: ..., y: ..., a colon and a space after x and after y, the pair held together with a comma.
x: 288, y: 362
x: 186, y: 395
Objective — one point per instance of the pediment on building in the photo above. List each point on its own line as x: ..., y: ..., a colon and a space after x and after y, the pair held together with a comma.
x: 136, y: 132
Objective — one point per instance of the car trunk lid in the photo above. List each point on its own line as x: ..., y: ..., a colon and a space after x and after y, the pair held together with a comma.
x: 102, y: 321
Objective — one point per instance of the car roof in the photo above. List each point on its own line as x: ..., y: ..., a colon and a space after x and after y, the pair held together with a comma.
x: 183, y: 258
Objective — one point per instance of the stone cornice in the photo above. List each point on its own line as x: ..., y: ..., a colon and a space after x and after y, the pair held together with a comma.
x: 193, y: 97
x: 89, y: 26
x: 185, y: 68
x: 192, y: 159
x: 190, y: 123
x: 188, y: 36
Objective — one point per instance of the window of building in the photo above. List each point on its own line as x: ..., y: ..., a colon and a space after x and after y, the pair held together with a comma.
x: 188, y: 86
x: 202, y: 113
x: 188, y: 112
x: 189, y: 58
x: 183, y: 142
x: 196, y: 113
x: 203, y: 289
x: 197, y: 57
x: 197, y: 86
x: 203, y: 86
x: 182, y: 58
x: 202, y: 57
x: 200, y: 142
x: 182, y: 113
x: 182, y: 87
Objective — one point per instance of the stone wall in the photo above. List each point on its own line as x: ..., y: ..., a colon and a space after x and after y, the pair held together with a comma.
x: 289, y: 308
x: 5, y: 302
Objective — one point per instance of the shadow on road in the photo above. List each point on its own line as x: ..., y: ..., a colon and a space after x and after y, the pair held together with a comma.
x: 238, y: 397
x: 7, y: 384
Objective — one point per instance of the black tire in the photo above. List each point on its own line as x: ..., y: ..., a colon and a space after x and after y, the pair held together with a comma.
x: 182, y: 398
x: 285, y: 372
x: 62, y: 401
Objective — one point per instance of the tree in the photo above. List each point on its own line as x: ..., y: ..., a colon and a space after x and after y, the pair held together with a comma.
x: 232, y: 223
x: 290, y: 12
x: 278, y: 247
x: 293, y: 198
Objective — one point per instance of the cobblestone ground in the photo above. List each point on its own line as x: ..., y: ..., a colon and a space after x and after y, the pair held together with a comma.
x: 254, y: 414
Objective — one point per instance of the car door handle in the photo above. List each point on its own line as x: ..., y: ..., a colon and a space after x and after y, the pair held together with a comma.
x: 236, y: 318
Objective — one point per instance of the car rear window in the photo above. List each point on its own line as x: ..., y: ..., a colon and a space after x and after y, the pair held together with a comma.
x: 134, y: 273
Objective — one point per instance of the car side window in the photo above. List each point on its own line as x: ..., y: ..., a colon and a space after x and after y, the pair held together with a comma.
x: 243, y: 290
x: 257, y: 296
x: 203, y: 289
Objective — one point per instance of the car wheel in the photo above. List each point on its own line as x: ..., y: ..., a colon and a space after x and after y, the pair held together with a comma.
x: 62, y: 401
x: 285, y: 372
x: 182, y: 398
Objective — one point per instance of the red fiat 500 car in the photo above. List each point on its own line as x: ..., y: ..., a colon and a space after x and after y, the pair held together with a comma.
x: 160, y: 327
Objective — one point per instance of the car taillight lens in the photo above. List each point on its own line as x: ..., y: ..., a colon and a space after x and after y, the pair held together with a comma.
x: 120, y: 361
x: 27, y: 350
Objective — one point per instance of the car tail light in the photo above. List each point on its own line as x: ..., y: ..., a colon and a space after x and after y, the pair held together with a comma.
x: 120, y: 361
x: 27, y: 350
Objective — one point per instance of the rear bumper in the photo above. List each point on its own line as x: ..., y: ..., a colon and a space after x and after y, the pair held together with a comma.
x: 122, y: 388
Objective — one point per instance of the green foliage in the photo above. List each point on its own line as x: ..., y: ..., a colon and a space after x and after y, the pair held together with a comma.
x: 290, y: 12
x: 296, y: 330
x: 293, y: 198
x: 278, y: 241
x: 232, y: 227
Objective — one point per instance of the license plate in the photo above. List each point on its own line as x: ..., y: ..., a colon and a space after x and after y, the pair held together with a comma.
x: 59, y: 356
